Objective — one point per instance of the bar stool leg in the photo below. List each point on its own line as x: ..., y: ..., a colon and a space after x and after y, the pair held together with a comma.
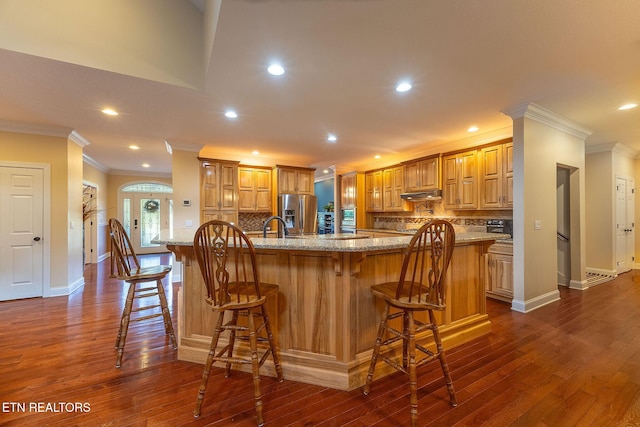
x: 168, y: 326
x: 376, y: 351
x: 208, y: 364
x: 255, y: 367
x: 413, y: 376
x: 443, y: 361
x: 272, y: 344
x: 124, y: 323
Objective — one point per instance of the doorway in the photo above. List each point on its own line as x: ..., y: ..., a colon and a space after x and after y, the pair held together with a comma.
x: 563, y: 212
x: 145, y: 209
x: 625, y: 225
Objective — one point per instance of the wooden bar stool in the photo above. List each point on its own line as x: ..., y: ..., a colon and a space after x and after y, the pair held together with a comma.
x: 421, y: 287
x: 126, y: 266
x: 229, y: 269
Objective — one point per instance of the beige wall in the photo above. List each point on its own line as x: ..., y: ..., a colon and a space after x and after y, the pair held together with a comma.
x: 186, y: 186
x: 65, y: 160
x: 98, y: 179
x: 542, y: 141
x: 600, y: 206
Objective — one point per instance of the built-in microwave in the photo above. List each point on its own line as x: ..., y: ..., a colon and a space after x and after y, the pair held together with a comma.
x: 348, y: 218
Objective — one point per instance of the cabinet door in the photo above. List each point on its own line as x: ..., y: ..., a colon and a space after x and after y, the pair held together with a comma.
x: 428, y: 174
x: 468, y: 188
x: 246, y: 191
x: 287, y: 180
x: 373, y: 188
x: 411, y: 177
x: 228, y: 187
x: 388, y: 187
x: 262, y: 183
x: 507, y: 192
x: 491, y: 177
x: 450, y: 182
x: 209, y: 178
x: 501, y: 274
x: 304, y: 183
x: 348, y: 190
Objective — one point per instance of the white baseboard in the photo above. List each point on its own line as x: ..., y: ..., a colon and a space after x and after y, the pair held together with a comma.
x: 534, y: 303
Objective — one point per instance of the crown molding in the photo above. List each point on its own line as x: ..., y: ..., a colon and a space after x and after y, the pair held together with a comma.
x: 33, y: 129
x: 78, y: 139
x: 138, y: 173
x: 614, y: 147
x: 88, y: 160
x: 542, y: 115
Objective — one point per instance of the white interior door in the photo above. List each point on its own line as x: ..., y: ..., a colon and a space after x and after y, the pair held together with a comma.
x: 625, y: 225
x: 145, y: 214
x: 21, y: 232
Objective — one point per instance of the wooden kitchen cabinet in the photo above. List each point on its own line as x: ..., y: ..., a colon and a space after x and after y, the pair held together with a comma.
x: 349, y: 190
x: 254, y: 189
x: 373, y: 191
x: 218, y: 190
x: 422, y: 174
x: 460, y: 180
x: 294, y: 180
x: 499, y: 271
x: 496, y: 176
x: 392, y: 188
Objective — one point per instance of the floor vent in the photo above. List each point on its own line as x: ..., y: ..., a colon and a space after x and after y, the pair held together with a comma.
x: 596, y: 279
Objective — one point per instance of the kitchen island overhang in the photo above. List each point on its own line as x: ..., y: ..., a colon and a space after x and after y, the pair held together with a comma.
x: 325, y: 318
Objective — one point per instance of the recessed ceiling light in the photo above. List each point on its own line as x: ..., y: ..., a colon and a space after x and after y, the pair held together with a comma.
x: 627, y: 106
x: 403, y: 87
x: 275, y: 69
x: 146, y: 165
x: 255, y: 152
x: 134, y: 147
x: 230, y: 114
x: 472, y: 129
x: 325, y: 171
x: 331, y: 138
x: 377, y: 156
x: 110, y: 112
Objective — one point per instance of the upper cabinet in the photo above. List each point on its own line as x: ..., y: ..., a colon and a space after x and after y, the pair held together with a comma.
x: 383, y: 188
x: 294, y: 180
x: 351, y: 190
x: 392, y: 188
x: 373, y: 191
x: 460, y: 180
x: 422, y: 174
x: 218, y: 190
x: 254, y: 189
x: 496, y: 176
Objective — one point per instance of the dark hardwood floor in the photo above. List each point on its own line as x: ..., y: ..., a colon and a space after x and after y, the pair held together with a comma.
x: 573, y: 362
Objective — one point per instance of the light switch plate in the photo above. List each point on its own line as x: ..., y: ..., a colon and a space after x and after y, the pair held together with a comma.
x: 537, y: 224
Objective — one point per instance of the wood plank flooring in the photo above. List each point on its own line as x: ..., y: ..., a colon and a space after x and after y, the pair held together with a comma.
x: 575, y: 362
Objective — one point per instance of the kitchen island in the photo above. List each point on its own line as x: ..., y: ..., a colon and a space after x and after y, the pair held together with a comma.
x: 325, y: 318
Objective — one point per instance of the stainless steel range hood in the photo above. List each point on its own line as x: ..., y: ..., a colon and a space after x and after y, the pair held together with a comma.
x: 422, y: 196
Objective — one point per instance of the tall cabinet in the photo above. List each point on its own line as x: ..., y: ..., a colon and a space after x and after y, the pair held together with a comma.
x: 218, y: 190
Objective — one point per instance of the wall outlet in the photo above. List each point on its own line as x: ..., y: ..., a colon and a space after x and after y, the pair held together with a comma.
x: 188, y: 223
x: 537, y: 224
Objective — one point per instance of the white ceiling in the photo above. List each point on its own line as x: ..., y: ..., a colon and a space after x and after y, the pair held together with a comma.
x: 468, y: 60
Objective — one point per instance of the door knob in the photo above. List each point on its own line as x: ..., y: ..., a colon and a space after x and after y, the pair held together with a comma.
x: 37, y: 239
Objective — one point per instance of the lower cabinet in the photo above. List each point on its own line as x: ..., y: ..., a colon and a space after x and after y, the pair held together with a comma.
x: 499, y: 271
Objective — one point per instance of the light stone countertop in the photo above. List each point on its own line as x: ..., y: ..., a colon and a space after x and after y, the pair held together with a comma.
x: 323, y: 242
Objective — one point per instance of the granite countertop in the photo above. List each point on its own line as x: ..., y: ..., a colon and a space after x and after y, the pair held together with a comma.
x: 320, y: 242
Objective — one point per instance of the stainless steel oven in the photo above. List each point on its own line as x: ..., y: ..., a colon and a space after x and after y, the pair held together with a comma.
x: 503, y: 226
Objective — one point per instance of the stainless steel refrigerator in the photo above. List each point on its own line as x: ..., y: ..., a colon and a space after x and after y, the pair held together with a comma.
x: 300, y: 212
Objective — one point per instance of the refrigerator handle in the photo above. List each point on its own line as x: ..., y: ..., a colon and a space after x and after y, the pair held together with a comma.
x: 301, y: 214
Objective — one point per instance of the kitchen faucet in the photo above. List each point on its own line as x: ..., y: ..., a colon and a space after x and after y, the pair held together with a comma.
x: 279, y: 218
